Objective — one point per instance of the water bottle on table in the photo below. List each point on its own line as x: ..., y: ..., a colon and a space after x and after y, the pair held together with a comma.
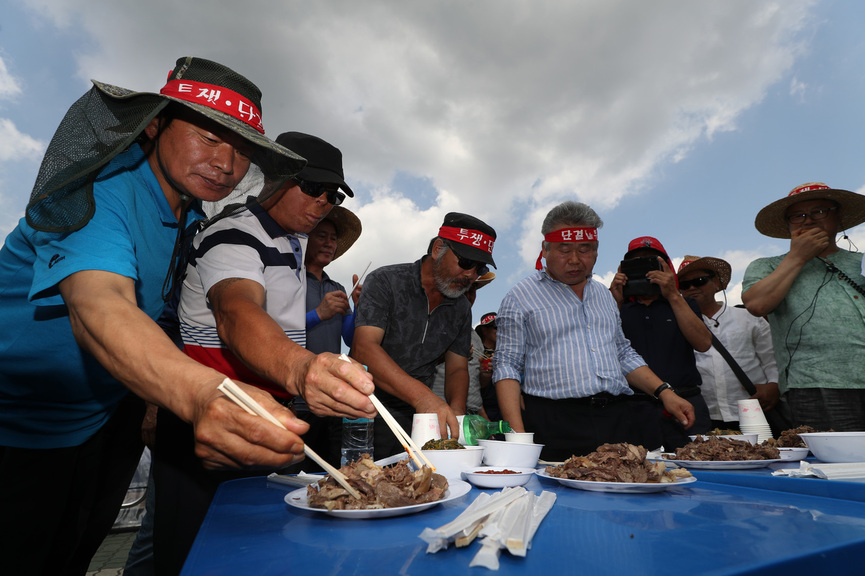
x: 357, y: 439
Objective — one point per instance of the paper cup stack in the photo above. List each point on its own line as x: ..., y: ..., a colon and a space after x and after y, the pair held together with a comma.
x: 425, y: 427
x: 752, y: 420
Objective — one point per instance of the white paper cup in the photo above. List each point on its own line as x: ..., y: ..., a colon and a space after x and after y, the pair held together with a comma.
x: 425, y: 427
x: 524, y: 437
x: 750, y: 413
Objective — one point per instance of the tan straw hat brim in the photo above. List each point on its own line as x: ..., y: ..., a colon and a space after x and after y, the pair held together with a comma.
x: 720, y: 267
x: 772, y: 220
x: 348, y: 229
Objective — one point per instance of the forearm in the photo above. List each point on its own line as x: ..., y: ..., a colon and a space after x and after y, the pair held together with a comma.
x: 388, y: 375
x: 107, y: 323
x: 508, y: 394
x: 644, y: 379
x: 691, y: 325
x: 261, y: 344
x: 765, y: 295
x: 457, y: 390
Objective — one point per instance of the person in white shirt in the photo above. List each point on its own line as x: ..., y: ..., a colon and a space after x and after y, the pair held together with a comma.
x: 746, y: 337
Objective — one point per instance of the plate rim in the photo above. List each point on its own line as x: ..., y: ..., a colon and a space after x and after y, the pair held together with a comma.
x: 456, y: 489
x: 724, y: 464
x: 618, y: 487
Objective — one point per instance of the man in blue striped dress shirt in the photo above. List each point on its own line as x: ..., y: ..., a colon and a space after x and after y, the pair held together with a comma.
x: 561, y: 350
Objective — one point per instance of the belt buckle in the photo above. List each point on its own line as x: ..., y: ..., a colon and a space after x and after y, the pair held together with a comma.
x: 599, y: 402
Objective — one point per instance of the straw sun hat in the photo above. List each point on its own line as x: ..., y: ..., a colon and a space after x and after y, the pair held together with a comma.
x: 771, y: 220
x: 720, y: 267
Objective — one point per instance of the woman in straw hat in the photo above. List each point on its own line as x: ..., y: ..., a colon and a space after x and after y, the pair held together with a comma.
x: 84, y: 278
x: 815, y: 304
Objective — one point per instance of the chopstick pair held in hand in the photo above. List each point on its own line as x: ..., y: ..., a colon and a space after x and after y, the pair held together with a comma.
x: 236, y: 394
x: 404, y: 439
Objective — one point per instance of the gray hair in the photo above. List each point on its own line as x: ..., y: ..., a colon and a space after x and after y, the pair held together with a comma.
x: 570, y: 213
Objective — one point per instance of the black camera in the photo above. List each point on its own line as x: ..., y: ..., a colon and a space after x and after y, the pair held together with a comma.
x: 636, y: 269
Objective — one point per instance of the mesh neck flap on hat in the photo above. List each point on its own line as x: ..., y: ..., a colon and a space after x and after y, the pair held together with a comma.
x: 94, y: 130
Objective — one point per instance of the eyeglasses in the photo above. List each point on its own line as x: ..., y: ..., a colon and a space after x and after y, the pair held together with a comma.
x: 815, y: 215
x: 695, y: 282
x: 316, y: 189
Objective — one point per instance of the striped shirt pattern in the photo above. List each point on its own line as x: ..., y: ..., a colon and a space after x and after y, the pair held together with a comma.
x: 249, y: 245
x: 559, y: 346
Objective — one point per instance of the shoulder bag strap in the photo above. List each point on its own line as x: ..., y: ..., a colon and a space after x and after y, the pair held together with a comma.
x: 740, y: 374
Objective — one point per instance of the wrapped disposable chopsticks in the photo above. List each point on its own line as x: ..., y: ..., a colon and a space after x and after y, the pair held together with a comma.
x: 507, y: 520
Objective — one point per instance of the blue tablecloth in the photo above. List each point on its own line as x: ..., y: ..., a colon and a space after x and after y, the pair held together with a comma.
x: 707, y: 527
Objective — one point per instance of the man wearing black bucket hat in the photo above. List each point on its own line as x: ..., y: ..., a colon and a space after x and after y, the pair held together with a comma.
x: 243, y: 312
x: 410, y: 314
x: 84, y: 277
x: 815, y: 303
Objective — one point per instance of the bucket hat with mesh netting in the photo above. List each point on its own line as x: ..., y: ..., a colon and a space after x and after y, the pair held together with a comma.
x: 107, y: 119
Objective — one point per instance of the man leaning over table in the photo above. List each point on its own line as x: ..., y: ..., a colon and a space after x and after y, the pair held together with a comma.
x: 560, y: 344
x: 83, y: 280
x: 243, y: 311
x: 409, y: 315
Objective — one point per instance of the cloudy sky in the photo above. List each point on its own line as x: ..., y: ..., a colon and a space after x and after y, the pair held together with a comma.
x: 678, y: 119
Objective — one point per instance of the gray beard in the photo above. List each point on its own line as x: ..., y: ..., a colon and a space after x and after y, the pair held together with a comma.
x: 442, y: 284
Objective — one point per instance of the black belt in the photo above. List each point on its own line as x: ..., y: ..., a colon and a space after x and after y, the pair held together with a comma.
x: 688, y: 391
x: 685, y: 392
x: 599, y: 400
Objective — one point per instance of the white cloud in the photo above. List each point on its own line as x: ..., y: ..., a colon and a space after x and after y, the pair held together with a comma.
x: 15, y: 145
x: 506, y: 109
x: 9, y: 85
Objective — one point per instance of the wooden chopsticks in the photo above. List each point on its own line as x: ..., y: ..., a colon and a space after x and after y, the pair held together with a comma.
x: 404, y: 439
x: 245, y: 401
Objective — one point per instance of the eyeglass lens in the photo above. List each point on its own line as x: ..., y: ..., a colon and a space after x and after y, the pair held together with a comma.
x: 819, y: 214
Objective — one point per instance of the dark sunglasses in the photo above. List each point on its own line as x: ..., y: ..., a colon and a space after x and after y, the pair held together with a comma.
x: 316, y: 189
x: 696, y: 282
x: 467, y: 264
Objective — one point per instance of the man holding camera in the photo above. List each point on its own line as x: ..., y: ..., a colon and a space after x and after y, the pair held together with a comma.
x: 664, y: 328
x: 561, y: 345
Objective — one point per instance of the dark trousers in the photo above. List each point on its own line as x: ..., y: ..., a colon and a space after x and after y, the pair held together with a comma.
x: 652, y: 428
x: 575, y: 427
x: 184, y: 490
x: 59, y: 504
x: 827, y: 409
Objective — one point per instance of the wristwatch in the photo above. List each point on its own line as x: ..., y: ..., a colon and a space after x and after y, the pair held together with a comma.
x: 661, y: 388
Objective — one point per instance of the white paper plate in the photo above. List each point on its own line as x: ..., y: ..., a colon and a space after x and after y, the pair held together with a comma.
x: 480, y: 478
x: 456, y: 489
x: 621, y: 487
x: 723, y: 464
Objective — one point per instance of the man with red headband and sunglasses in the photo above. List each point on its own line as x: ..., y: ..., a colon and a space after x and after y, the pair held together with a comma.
x: 560, y: 345
x: 410, y: 314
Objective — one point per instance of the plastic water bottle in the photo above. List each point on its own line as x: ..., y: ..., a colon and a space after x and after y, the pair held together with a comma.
x: 357, y: 439
x: 474, y: 428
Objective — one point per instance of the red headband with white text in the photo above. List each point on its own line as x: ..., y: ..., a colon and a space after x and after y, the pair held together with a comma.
x: 216, y: 97
x: 469, y: 237
x: 568, y: 235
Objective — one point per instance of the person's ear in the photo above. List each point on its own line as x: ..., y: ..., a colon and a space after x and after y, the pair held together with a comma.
x: 152, y: 128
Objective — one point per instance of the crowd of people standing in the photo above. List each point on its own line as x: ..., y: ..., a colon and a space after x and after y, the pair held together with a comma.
x: 169, y: 245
